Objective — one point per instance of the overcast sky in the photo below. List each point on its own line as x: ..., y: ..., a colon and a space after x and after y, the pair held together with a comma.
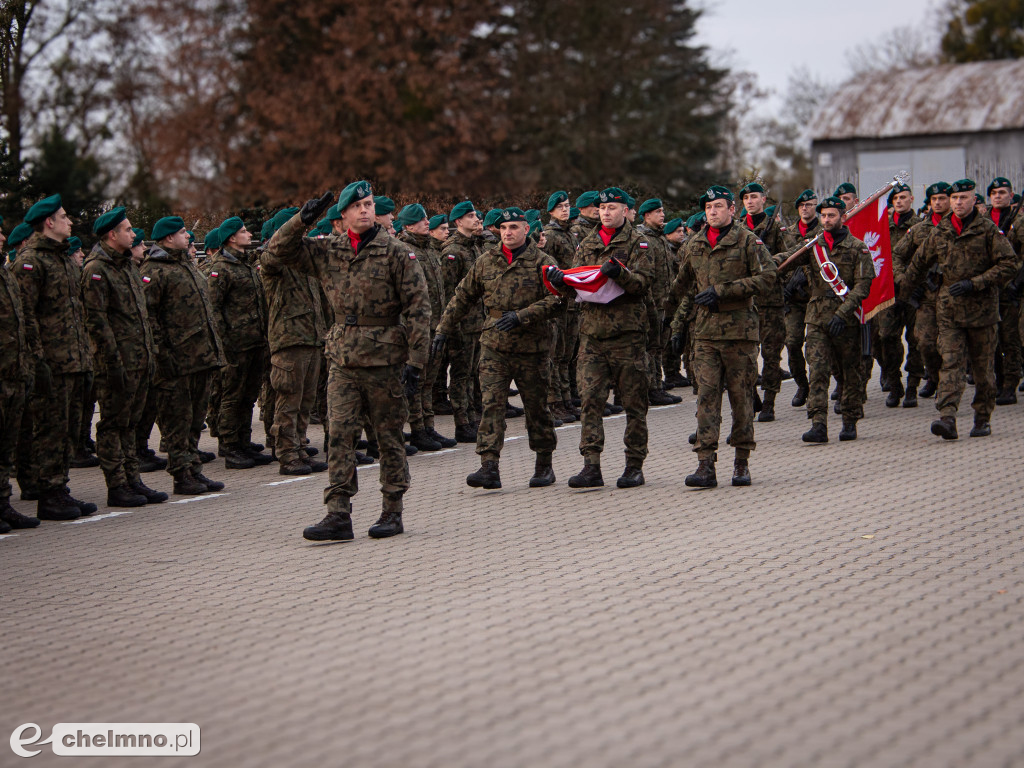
x: 775, y: 38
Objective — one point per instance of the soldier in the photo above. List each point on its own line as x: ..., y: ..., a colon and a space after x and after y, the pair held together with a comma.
x: 561, y: 246
x: 18, y: 240
x: 675, y: 233
x: 652, y: 213
x: 515, y: 342
x: 461, y: 250
x: 384, y: 211
x: 188, y: 350
x: 1008, y: 350
x: 795, y: 293
x: 848, y: 194
x: 770, y: 306
x: 51, y: 296
x: 976, y: 261
x: 83, y: 404
x: 491, y: 225
x: 122, y: 343
x: 239, y: 309
x: 728, y: 266
x: 833, y: 327
x: 587, y: 220
x: 613, y: 340
x: 377, y: 347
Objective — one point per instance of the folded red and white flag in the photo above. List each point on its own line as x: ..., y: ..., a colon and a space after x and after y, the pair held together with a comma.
x: 589, y: 283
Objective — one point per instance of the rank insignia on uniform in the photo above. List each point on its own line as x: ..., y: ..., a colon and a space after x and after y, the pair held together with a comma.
x: 412, y: 256
x: 97, y: 277
x: 145, y: 279
x: 214, y: 274
x: 27, y: 267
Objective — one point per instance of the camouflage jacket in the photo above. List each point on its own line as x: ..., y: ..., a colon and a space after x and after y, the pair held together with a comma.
x: 853, y: 260
x: 51, y: 299
x: 794, y: 239
x: 740, y: 270
x: 561, y: 245
x: 379, y: 295
x: 773, y: 235
x: 16, y: 362
x: 430, y: 262
x: 627, y: 313
x: 180, y: 314
x: 909, y: 244
x: 115, y: 311
x: 658, y: 247
x: 583, y: 227
x: 239, y: 306
x: 295, y: 316
x: 900, y: 226
x: 459, y: 254
x: 981, y: 254
x: 504, y: 286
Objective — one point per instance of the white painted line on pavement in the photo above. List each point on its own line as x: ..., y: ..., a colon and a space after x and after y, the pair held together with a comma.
x: 94, y: 518
x: 204, y: 497
x: 8, y: 536
x: 290, y: 480
x: 438, y: 453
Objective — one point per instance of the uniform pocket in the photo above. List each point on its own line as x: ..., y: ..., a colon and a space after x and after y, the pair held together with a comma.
x: 282, y: 377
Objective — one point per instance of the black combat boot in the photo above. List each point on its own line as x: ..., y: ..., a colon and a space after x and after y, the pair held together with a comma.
x: 589, y: 477
x: 513, y: 411
x: 692, y: 439
x: 204, y: 456
x: 85, y: 507
x: 4, y: 527
x: 543, y: 472
x: 363, y: 459
x: 485, y: 477
x: 658, y: 397
x: 800, y: 398
x: 150, y: 462
x: 124, y: 496
x: 945, y: 428
x: 390, y: 522
x: 676, y: 379
x: 849, y: 430
x: 14, y: 518
x: 53, y: 505
x: 316, y: 466
x: 818, y: 433
x: 211, y: 485
x: 465, y: 433
x: 704, y: 477
x: 740, y: 472
x: 982, y: 428
x: 928, y: 390
x: 237, y: 459
x: 152, y: 497
x: 337, y: 526
x: 614, y: 408
x: 295, y: 467
x: 187, y: 485
x: 1008, y: 394
x: 632, y: 477
x: 896, y: 392
x: 81, y: 459
x: 837, y: 393
x: 767, y: 408
x: 259, y: 458
x: 910, y: 398
x: 446, y: 442
x: 310, y: 450
x: 411, y: 450
x: 423, y: 441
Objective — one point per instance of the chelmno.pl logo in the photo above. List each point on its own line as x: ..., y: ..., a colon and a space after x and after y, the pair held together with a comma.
x: 109, y: 739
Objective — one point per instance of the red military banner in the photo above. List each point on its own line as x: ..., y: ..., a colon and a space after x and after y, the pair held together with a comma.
x: 872, y: 226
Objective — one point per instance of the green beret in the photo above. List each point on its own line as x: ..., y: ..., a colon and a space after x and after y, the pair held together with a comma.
x: 411, y: 214
x: 831, y: 202
x: 557, y: 198
x: 846, y: 188
x: 333, y: 213
x: 19, y: 235
x: 170, y: 225
x: 437, y: 221
x: 227, y: 228
x: 191, y: 236
x: 805, y: 197
x: 769, y: 211
x: 282, y: 216
x: 716, y: 192
x: 978, y: 199
x: 999, y: 182
x: 650, y: 205
x: 587, y: 199
x: 696, y: 221
x: 753, y: 186
x: 383, y: 205
x: 535, y: 229
x: 357, y: 190
x: 267, y: 229
x: 397, y: 226
x: 325, y: 227
x: 74, y: 244
x: 212, y: 241
x: 491, y: 219
x: 672, y: 225
x: 509, y: 215
x: 140, y: 235
x: 574, y: 213
x: 613, y: 195
x: 107, y: 221
x: 630, y: 201
x: 964, y: 185
x: 461, y: 209
x: 901, y: 187
x: 43, y: 210
x: 533, y: 214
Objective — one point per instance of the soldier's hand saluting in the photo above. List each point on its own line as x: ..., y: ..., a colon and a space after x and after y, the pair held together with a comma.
x: 311, y: 210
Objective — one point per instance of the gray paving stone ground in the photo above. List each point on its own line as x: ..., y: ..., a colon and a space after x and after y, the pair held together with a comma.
x: 859, y: 605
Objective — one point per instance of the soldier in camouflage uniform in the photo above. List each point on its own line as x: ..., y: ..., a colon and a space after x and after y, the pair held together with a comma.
x: 795, y: 292
x: 833, y: 326
x: 976, y: 261
x: 51, y: 297
x: 188, y: 350
x: 561, y: 246
x: 1008, y: 350
x: 588, y: 219
x: 212, y: 244
x: 729, y: 267
x: 675, y: 234
x: 653, y: 214
x: 124, y: 351
x: 516, y: 344
x: 377, y: 347
x: 613, y: 341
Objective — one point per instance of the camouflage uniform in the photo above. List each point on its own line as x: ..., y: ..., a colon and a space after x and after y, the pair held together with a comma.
x: 771, y: 315
x: 122, y: 343
x: 459, y: 253
x: 613, y: 345
x: 240, y: 311
x: 796, y: 309
x: 561, y: 246
x: 897, y: 319
x: 421, y: 405
x: 522, y: 353
x: 213, y: 404
x: 16, y: 371
x: 1008, y: 350
x: 583, y: 227
x: 968, y: 323
x: 382, y: 316
x: 658, y: 247
x: 853, y: 261
x: 51, y: 297
x: 925, y: 326
x: 671, y: 362
x: 740, y: 269
x: 188, y: 349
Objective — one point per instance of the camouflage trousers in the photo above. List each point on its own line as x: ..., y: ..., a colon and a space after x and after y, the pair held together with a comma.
x: 120, y: 414
x: 844, y: 350
x: 49, y: 459
x: 355, y: 395
x: 81, y: 428
x: 294, y: 373
x: 421, y: 405
x: 267, y: 402
x: 926, y: 332
x: 731, y: 366
x: 565, y: 354
x: 213, y: 403
x: 892, y: 322
x: 771, y: 323
x: 12, y: 404
x: 620, y: 362
x: 1008, y: 349
x: 958, y: 345
x: 181, y: 408
x: 795, y: 334
x: 144, y: 428
x: 532, y: 374
x: 655, y: 349
x: 239, y: 387
x: 465, y: 360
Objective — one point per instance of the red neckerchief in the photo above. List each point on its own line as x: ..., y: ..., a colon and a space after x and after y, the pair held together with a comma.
x: 508, y: 253
x: 996, y: 214
x: 750, y: 222
x: 895, y: 218
x: 354, y: 239
x: 713, y: 236
x: 803, y: 228
x: 936, y: 218
x: 957, y: 224
x: 606, y: 234
x: 829, y: 240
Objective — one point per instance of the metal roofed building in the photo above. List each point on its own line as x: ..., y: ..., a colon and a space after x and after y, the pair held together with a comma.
x: 939, y: 123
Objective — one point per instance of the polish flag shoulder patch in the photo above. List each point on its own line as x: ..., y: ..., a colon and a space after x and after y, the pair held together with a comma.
x: 643, y: 244
x: 96, y: 277
x: 412, y: 255
x: 145, y: 279
x: 451, y: 257
x: 214, y: 274
x: 27, y: 267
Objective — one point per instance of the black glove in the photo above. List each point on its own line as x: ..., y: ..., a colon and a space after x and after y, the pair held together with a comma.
x: 556, y: 277
x: 794, y: 285
x: 311, y: 209
x: 611, y: 268
x: 707, y: 298
x: 836, y: 325
x: 437, y: 346
x: 508, y: 321
x: 961, y: 288
x: 676, y: 343
x: 116, y: 380
x: 44, y: 378
x: 918, y: 294
x: 411, y: 380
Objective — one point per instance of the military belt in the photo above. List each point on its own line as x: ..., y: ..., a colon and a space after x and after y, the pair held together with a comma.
x: 732, y: 306
x: 368, y: 320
